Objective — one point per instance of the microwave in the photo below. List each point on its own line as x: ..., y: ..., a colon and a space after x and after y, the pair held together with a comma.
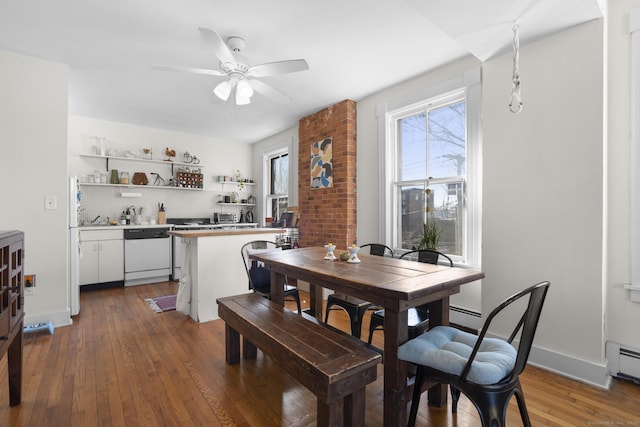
x: 224, y: 218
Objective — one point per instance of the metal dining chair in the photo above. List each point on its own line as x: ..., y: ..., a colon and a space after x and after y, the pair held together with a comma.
x: 486, y: 370
x: 418, y: 317
x: 355, y: 307
x: 259, y: 276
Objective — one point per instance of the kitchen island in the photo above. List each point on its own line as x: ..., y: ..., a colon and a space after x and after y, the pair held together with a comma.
x: 212, y: 266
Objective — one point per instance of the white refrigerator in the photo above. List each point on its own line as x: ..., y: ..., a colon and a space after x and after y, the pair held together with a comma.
x: 74, y: 245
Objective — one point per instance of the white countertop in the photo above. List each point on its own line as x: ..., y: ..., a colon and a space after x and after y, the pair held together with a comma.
x: 224, y: 232
x: 123, y: 227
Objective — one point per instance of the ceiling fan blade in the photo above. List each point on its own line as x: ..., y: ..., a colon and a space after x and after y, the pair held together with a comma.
x: 280, y: 67
x: 220, y: 48
x: 269, y: 91
x: 189, y: 70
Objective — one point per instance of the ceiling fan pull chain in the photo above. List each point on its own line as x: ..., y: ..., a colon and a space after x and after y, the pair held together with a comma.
x: 515, y: 106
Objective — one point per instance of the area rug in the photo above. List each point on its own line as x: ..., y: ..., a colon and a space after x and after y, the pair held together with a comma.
x: 162, y: 304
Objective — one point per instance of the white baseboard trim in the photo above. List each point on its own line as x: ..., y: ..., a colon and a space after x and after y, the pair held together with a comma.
x: 594, y: 374
x: 59, y: 319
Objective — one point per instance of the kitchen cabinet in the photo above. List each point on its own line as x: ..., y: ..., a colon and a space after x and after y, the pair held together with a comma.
x: 102, y: 256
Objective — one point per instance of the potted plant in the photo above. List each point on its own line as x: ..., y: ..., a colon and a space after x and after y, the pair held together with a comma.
x: 239, y: 180
x: 430, y: 232
x: 430, y: 235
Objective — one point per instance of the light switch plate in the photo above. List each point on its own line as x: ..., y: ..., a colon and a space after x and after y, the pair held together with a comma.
x: 50, y: 202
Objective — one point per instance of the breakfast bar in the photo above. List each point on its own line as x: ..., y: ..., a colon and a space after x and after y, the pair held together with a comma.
x: 212, y: 266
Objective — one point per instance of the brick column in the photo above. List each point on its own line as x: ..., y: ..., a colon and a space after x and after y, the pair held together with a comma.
x: 329, y: 214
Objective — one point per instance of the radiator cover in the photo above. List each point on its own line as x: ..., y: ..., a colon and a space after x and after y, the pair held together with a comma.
x: 624, y: 361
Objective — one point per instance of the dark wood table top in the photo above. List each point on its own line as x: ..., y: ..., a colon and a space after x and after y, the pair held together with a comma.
x: 382, y: 280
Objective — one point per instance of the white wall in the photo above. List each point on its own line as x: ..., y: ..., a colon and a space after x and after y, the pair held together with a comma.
x: 33, y: 137
x: 216, y: 158
x: 542, y: 190
x: 623, y: 316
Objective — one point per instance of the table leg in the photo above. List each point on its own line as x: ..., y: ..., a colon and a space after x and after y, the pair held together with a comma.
x: 315, y: 301
x: 277, y: 287
x: 232, y: 345
x: 14, y: 361
x: 438, y: 316
x: 395, y: 370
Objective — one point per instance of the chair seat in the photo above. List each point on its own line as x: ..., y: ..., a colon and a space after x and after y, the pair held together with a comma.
x: 447, y: 349
x: 355, y: 308
x: 417, y: 322
x: 415, y: 316
x: 347, y: 301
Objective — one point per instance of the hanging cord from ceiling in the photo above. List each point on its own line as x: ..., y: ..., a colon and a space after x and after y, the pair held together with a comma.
x: 515, y: 106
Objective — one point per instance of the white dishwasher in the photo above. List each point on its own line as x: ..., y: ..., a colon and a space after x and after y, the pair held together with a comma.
x: 147, y: 255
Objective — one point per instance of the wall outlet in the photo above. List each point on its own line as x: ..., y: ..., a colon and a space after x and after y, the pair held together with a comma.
x: 50, y: 202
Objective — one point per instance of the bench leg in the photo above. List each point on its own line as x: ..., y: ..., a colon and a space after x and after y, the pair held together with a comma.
x: 354, y: 405
x: 330, y: 414
x: 232, y: 345
x: 249, y: 350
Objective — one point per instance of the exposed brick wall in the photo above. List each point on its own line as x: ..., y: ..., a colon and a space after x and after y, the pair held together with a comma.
x: 329, y: 214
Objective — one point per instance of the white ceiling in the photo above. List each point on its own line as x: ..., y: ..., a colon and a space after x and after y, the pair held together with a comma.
x: 354, y: 48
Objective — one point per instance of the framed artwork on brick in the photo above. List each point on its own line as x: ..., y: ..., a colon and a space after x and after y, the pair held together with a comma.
x: 321, y: 159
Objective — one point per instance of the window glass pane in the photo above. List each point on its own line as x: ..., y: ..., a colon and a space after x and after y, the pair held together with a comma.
x: 447, y: 141
x: 446, y: 208
x: 412, y: 215
x: 412, y: 132
x: 280, y: 175
x: 283, y: 185
x: 445, y: 202
x: 273, y: 174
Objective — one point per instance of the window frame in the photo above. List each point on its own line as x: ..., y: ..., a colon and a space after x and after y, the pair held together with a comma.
x: 467, y: 86
x: 269, y: 197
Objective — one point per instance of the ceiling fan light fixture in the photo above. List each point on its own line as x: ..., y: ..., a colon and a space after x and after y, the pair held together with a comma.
x: 223, y: 90
x: 244, y: 89
x: 241, y: 100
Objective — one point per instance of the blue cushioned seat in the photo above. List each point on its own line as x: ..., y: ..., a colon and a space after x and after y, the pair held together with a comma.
x: 448, y: 349
x: 486, y: 370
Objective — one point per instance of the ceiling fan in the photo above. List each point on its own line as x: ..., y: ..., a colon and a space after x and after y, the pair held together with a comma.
x: 242, y: 77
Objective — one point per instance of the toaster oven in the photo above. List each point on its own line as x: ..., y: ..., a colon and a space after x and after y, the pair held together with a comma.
x: 224, y: 218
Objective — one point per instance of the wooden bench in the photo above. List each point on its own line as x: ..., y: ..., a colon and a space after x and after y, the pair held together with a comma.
x: 331, y: 365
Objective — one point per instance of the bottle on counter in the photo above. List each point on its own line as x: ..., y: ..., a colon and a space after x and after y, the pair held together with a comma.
x: 128, y: 217
x: 123, y: 219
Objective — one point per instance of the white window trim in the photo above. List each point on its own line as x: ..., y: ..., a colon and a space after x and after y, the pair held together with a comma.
x: 266, y: 172
x: 471, y: 83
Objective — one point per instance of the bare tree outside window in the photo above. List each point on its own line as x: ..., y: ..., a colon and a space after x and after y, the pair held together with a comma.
x: 432, y: 153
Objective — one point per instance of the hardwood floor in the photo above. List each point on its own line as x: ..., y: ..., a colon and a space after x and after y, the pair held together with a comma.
x: 120, y: 364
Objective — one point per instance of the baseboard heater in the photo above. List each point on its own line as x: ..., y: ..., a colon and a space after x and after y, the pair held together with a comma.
x: 465, y: 317
x: 623, y: 361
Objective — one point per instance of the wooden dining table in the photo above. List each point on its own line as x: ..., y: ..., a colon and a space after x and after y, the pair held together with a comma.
x: 392, y: 283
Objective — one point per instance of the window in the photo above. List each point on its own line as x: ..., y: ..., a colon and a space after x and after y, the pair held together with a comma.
x: 432, y: 172
x: 278, y: 197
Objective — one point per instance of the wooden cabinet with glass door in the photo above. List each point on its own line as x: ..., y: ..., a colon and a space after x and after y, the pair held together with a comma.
x: 12, y: 308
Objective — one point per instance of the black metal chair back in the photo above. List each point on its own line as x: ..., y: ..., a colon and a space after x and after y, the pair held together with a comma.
x: 378, y: 249
x: 427, y: 256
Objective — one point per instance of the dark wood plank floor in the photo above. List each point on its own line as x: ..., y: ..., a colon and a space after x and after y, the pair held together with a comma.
x: 120, y: 364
